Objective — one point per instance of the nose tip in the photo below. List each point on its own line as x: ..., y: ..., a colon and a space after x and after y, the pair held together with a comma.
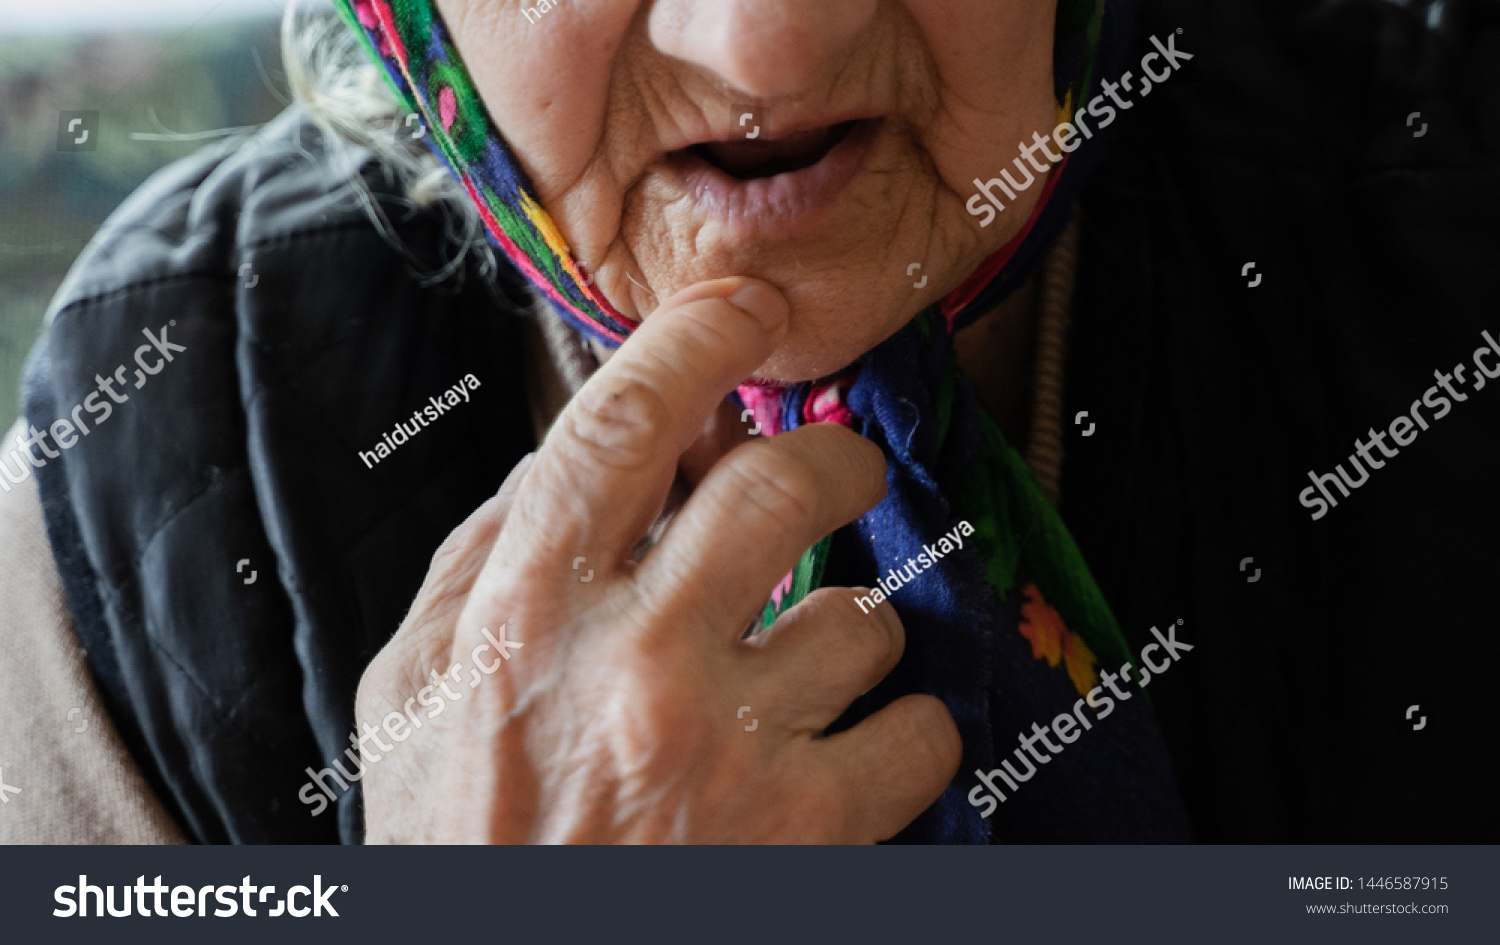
x: 762, y: 48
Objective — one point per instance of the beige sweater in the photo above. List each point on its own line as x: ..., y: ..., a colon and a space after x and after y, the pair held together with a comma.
x: 77, y: 782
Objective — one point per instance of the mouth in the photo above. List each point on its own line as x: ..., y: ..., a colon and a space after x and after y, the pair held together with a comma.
x: 771, y: 188
x: 754, y: 160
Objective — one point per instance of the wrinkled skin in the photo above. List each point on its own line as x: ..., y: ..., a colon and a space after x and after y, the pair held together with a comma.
x: 595, y: 96
x: 619, y: 720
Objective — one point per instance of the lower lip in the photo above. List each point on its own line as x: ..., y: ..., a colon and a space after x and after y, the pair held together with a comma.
x: 771, y: 207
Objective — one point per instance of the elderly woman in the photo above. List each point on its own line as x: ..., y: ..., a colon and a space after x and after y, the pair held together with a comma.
x: 600, y: 422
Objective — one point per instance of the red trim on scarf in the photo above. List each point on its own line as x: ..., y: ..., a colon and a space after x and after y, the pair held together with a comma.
x: 955, y: 301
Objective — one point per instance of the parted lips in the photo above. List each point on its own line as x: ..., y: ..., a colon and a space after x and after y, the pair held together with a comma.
x: 749, y: 159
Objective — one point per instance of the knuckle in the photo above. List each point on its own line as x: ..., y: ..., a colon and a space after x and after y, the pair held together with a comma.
x: 380, y: 683
x: 617, y: 424
x: 862, y: 465
x: 870, y: 649
x: 655, y: 731
x: 457, y: 562
x: 781, y: 486
x: 864, y: 642
x: 457, y: 559
x: 477, y: 532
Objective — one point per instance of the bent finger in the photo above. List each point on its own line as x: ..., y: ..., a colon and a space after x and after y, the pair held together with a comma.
x: 824, y: 653
x: 605, y: 467
x: 754, y: 515
x: 895, y: 763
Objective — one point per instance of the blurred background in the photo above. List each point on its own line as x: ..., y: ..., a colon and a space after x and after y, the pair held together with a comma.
x: 150, y: 81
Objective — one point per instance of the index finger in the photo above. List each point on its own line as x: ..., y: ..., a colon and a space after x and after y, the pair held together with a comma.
x: 604, y: 470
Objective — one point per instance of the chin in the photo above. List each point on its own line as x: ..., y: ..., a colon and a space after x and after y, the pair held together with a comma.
x: 829, y: 340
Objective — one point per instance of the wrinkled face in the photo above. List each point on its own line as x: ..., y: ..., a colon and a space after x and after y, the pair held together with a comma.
x: 874, y: 118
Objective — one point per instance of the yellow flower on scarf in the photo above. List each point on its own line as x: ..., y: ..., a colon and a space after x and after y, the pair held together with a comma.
x: 1051, y: 640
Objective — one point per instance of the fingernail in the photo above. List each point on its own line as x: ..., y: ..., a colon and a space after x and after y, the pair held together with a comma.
x: 767, y: 305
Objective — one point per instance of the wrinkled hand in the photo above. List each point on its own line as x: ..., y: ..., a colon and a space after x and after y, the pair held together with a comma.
x: 617, y: 719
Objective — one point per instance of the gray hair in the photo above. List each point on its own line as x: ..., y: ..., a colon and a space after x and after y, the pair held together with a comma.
x: 345, y: 94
